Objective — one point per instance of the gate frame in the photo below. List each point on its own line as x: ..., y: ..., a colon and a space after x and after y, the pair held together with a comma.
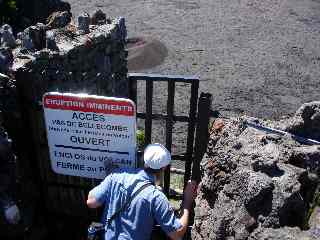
x: 197, y: 119
x: 198, y: 125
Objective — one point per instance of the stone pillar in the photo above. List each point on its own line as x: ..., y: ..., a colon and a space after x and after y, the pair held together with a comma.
x: 73, y: 61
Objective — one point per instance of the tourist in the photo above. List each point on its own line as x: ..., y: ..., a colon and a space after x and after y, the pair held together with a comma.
x: 125, y: 219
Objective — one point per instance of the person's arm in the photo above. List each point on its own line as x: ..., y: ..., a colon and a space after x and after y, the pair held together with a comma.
x: 190, y: 194
x: 92, y: 202
x: 97, y: 195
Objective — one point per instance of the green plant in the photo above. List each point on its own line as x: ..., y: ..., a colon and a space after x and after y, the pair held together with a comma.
x: 177, y: 182
x: 140, y: 138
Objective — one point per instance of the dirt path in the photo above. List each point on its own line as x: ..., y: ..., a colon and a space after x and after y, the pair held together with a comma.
x: 261, y: 58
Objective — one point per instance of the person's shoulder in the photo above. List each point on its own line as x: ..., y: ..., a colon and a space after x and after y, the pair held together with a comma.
x: 160, y: 202
x: 127, y: 174
x: 158, y: 194
x: 123, y: 170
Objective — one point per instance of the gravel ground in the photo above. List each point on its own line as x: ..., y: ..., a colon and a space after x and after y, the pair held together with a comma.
x: 260, y: 58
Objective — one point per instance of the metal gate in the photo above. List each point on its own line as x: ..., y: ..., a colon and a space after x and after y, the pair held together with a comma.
x: 56, y: 189
x: 197, y: 120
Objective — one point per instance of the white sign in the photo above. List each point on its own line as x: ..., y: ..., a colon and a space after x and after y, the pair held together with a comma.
x: 86, y: 133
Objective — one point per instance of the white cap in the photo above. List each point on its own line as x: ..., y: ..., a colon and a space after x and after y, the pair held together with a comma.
x: 156, y: 156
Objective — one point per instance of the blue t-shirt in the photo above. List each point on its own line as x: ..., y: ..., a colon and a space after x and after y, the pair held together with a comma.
x: 137, y: 220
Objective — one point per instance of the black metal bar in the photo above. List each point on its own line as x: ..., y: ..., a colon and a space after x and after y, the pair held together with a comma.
x: 179, y: 157
x: 169, y: 126
x: 156, y: 116
x: 148, y: 122
x: 202, y: 133
x: 133, y: 89
x: 163, y: 78
x: 191, y: 129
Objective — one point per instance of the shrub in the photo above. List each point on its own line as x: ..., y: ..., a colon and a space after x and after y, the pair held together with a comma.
x: 140, y: 139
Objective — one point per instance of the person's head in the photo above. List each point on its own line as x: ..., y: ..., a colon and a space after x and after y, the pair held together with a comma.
x: 156, y: 158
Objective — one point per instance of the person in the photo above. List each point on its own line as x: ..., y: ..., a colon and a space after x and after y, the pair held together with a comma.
x: 149, y: 206
x: 8, y: 208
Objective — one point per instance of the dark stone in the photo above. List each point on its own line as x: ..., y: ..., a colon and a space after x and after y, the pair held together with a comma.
x: 98, y: 18
x: 6, y: 59
x: 306, y: 122
x: 306, y: 157
x: 314, y: 221
x: 248, y: 183
x: 286, y: 233
x: 37, y: 34
x: 58, y: 20
x: 26, y: 40
x: 7, y: 38
x: 83, y: 23
x: 122, y: 30
x: 50, y: 41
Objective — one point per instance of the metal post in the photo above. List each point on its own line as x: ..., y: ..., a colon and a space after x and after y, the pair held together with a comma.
x: 201, y: 141
x: 169, y: 126
x: 191, y: 129
x: 148, y: 122
x: 202, y: 133
x: 133, y: 89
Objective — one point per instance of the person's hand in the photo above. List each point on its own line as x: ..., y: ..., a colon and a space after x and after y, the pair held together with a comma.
x: 190, y: 193
x: 12, y: 214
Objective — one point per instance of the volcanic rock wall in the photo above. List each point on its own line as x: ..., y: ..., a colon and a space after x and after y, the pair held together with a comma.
x: 60, y: 56
x: 21, y: 13
x: 87, y: 57
x: 65, y: 58
x: 259, y: 185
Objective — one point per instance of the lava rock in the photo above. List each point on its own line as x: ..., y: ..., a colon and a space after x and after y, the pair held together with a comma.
x: 306, y: 157
x: 306, y: 121
x: 50, y: 41
x: 122, y: 30
x: 314, y: 221
x: 286, y: 233
x: 98, y: 18
x: 26, y: 41
x: 58, y: 20
x: 6, y: 59
x: 248, y: 183
x: 7, y: 38
x: 287, y: 207
x: 37, y: 34
x: 83, y: 23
